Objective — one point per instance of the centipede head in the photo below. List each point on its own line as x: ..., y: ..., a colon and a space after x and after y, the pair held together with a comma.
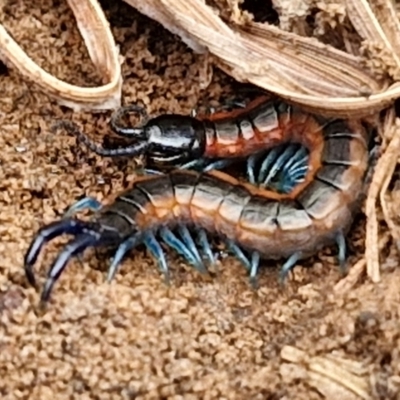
x: 174, y: 140
x: 167, y: 140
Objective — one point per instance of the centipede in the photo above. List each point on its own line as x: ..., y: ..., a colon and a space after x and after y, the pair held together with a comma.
x: 181, y: 207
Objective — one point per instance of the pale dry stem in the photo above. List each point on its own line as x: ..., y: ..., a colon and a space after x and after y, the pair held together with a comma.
x: 299, y: 69
x: 382, y: 175
x: 102, y: 49
x: 358, y: 269
x: 331, y: 375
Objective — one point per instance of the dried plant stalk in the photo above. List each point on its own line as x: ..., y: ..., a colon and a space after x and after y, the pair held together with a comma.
x: 383, y: 171
x: 102, y: 50
x: 299, y: 69
x: 333, y: 376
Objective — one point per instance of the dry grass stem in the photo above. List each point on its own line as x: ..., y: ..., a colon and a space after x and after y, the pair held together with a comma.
x: 300, y: 69
x: 383, y: 172
x: 100, y: 43
x: 329, y: 374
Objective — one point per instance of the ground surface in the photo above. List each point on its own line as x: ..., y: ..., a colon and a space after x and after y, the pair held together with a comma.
x: 137, y: 338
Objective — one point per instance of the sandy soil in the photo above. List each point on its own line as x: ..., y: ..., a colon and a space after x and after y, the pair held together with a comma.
x: 137, y: 338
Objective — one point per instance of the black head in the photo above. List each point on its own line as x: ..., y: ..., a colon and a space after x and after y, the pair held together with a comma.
x: 174, y: 139
x: 168, y: 140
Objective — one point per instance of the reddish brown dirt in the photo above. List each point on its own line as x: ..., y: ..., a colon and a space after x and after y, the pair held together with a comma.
x: 137, y: 338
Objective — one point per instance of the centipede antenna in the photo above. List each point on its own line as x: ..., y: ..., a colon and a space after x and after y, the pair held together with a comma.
x: 137, y: 132
x: 123, y: 248
x: 133, y: 150
x: 153, y: 245
x: 287, y: 266
x: 87, y: 203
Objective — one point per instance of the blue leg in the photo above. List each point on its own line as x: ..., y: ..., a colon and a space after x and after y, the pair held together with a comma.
x: 148, y: 171
x: 300, y: 156
x: 289, y: 177
x: 204, y: 164
x: 279, y: 164
x: 300, y: 168
x: 251, y: 165
x: 297, y: 167
x: 87, y: 203
x: 341, y: 243
x: 219, y: 164
x: 298, y: 172
x: 157, y: 252
x: 238, y: 253
x: 175, y: 243
x: 123, y: 248
x: 200, y: 162
x: 287, y: 266
x: 266, y: 164
x: 191, y: 245
x: 255, y: 262
x: 282, y: 168
x: 205, y: 244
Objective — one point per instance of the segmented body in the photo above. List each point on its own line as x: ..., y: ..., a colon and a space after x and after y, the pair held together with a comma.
x: 262, y: 124
x: 315, y: 213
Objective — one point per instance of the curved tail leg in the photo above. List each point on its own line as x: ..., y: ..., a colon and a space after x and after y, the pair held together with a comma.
x: 44, y: 235
x: 73, y: 248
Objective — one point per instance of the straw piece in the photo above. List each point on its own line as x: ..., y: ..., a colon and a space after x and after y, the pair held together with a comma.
x: 100, y: 43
